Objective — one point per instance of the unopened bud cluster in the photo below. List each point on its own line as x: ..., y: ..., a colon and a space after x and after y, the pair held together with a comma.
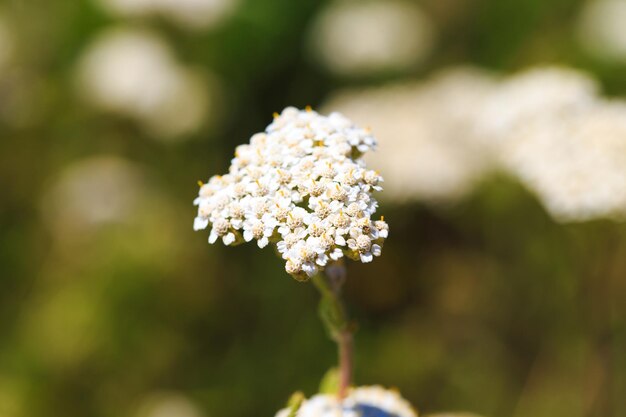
x: 302, y: 186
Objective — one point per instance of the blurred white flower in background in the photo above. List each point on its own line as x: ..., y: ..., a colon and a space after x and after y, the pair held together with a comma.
x: 190, y: 14
x: 90, y: 193
x: 168, y: 404
x: 133, y: 73
x: 539, y: 93
x: 550, y: 129
x: 576, y: 164
x: 373, y: 401
x: 363, y: 37
x: 601, y: 29
x: 197, y: 14
x: 130, y: 8
x: 425, y: 130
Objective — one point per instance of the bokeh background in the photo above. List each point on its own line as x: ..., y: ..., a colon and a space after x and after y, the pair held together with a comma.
x: 501, y: 290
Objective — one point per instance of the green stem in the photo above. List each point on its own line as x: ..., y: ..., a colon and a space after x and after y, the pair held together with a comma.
x: 333, y: 315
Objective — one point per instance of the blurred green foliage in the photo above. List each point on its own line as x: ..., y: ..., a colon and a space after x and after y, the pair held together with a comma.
x: 488, y: 306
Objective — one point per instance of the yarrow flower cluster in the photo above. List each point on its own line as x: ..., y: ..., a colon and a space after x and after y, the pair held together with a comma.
x: 371, y: 401
x: 302, y: 186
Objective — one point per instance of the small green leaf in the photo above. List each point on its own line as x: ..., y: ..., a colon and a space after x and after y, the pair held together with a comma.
x: 294, y: 403
x: 330, y: 382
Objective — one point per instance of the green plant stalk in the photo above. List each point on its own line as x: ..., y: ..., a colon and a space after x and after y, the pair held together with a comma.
x: 339, y: 328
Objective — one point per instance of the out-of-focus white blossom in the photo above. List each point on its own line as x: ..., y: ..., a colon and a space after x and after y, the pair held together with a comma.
x: 363, y: 37
x: 198, y: 14
x: 426, y: 128
x: 575, y: 164
x: 548, y: 93
x: 130, y: 8
x: 91, y: 192
x: 302, y: 186
x: 191, y: 14
x: 601, y: 29
x: 167, y: 404
x: 550, y: 129
x: 133, y: 73
x: 373, y: 401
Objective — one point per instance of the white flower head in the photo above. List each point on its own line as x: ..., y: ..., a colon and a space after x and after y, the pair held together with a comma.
x: 360, y: 402
x: 302, y: 186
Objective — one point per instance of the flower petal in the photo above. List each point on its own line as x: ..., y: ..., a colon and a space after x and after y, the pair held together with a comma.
x: 366, y: 257
x: 200, y: 223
